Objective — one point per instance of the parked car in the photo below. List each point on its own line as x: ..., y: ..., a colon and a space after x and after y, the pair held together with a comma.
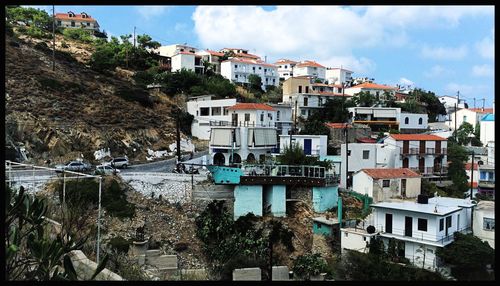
x: 118, y: 162
x: 76, y: 166
x: 105, y: 170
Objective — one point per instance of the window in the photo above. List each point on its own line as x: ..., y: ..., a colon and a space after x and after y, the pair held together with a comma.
x: 345, y: 234
x: 306, y: 100
x: 262, y: 117
x: 364, y: 238
x: 253, y: 68
x: 386, y: 183
x: 448, y: 222
x: 465, y: 118
x: 366, y: 154
x: 488, y: 223
x: 72, y: 23
x: 265, y: 70
x: 88, y: 24
x: 235, y: 66
x: 286, y: 67
x: 482, y: 175
x: 319, y: 225
x: 247, y: 116
x: 274, y: 80
x: 407, y: 120
x: 216, y: 111
x: 260, y: 68
x: 441, y: 224
x: 420, y: 121
x: 58, y: 23
x: 236, y: 76
x: 303, y: 112
x: 226, y: 111
x: 204, y: 111
x: 307, y: 89
x: 300, y: 89
x: 422, y: 224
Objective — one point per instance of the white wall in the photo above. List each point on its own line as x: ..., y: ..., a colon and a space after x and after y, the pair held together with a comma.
x: 255, y: 116
x: 354, y: 240
x: 181, y: 61
x: 356, y: 161
x: 413, y: 120
x: 201, y: 124
x: 312, y: 71
x: 470, y: 117
x: 362, y: 183
x: 421, y: 255
x: 479, y: 214
x: 487, y: 131
x: 231, y: 69
x: 171, y: 50
x: 338, y: 76
x: 318, y: 143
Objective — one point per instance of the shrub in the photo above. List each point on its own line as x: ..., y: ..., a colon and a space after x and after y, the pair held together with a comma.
x: 135, y: 94
x: 50, y: 83
x: 115, y: 201
x: 120, y: 244
x: 78, y: 35
x: 309, y: 265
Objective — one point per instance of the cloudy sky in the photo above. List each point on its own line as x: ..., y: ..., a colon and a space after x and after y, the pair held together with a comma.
x: 444, y: 49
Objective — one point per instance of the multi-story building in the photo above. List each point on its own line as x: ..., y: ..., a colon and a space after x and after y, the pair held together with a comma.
x: 338, y: 76
x: 486, y: 184
x: 252, y: 114
x: 361, y: 156
x: 285, y: 68
x: 355, y: 132
x: 449, y: 103
x: 72, y: 20
x: 483, y: 225
x: 172, y: 50
x: 239, y: 69
x: 329, y: 89
x: 283, y: 119
x: 309, y: 68
x: 384, y: 184
x: 211, y: 57
x: 413, y: 122
x: 487, y: 128
x: 423, y: 226
x: 314, y: 145
x: 470, y: 115
x: 240, y: 53
x: 389, y: 117
x: 207, y: 113
x: 377, y: 90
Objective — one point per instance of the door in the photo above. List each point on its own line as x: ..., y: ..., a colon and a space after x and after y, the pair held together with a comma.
x: 422, y: 147
x: 438, y: 147
x: 406, y: 147
x: 388, y: 223
x: 403, y: 188
x: 234, y: 119
x: 307, y: 146
x: 406, y: 162
x: 408, y: 226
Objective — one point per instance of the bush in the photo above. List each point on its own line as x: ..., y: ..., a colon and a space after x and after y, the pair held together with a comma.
x: 135, y: 95
x: 78, y: 35
x: 50, y: 83
x: 309, y: 265
x: 115, y: 201
x: 120, y: 244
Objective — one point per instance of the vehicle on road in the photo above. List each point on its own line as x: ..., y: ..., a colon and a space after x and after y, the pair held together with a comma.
x: 118, y: 162
x: 105, y: 170
x: 76, y: 166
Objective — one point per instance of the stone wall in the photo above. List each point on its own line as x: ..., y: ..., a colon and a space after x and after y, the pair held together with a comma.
x: 85, y: 268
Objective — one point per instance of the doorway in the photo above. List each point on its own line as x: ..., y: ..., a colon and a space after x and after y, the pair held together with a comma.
x: 408, y: 226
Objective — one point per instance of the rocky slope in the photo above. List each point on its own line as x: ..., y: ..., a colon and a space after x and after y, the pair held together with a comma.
x: 73, y: 110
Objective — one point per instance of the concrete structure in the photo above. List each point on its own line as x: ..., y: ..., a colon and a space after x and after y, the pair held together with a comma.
x: 377, y: 117
x: 338, y: 76
x: 72, y: 20
x: 208, y: 112
x: 384, y: 184
x: 487, y: 128
x: 470, y: 115
x: 377, y: 90
x: 248, y: 199
x: 337, y: 133
x: 355, y: 239
x: 211, y: 57
x: 490, y: 159
x: 85, y: 268
x: 252, y: 114
x: 423, y: 227
x: 314, y: 145
x: 280, y: 273
x: 247, y: 274
x: 239, y: 53
x: 324, y: 226
x: 324, y: 198
x: 413, y: 122
x: 328, y: 89
x: 183, y: 60
x: 475, y: 176
x: 449, y: 103
x: 172, y: 50
x: 309, y: 68
x: 283, y: 120
x: 285, y: 68
x: 361, y: 155
x: 239, y: 69
x: 275, y: 199
x: 483, y: 225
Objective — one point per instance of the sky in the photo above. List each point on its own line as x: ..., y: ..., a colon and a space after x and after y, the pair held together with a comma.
x: 443, y: 49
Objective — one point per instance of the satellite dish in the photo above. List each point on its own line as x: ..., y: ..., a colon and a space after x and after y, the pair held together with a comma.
x: 370, y: 229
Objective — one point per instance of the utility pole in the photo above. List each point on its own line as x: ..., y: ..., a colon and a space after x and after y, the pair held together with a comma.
x: 474, y: 102
x: 294, y: 123
x: 178, y: 127
x: 483, y: 103
x: 134, y: 37
x: 472, y: 175
x: 53, y: 38
x: 346, y: 132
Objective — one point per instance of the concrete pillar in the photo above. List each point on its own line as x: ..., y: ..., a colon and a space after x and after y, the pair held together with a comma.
x: 280, y: 273
x: 247, y: 274
x: 247, y: 199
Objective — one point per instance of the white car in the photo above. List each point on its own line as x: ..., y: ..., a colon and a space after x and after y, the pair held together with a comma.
x: 105, y: 170
x: 76, y: 166
x: 119, y: 162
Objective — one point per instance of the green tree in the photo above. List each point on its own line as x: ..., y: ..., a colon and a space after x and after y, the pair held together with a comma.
x: 364, y: 98
x: 78, y: 34
x: 468, y: 256
x: 457, y: 155
x: 315, y: 125
x: 308, y: 265
x: 475, y: 141
x: 463, y: 133
x: 146, y: 42
x: 255, y: 85
x: 433, y: 106
x: 38, y: 22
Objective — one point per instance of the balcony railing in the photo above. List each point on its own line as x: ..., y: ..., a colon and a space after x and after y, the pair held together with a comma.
x: 440, y: 170
x: 411, y: 151
x: 486, y: 183
x: 429, y: 151
x: 286, y: 171
x: 242, y: 124
x: 438, y: 239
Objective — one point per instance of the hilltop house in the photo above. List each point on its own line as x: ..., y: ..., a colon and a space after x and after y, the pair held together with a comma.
x: 72, y: 20
x: 238, y: 69
x: 483, y: 225
x: 377, y: 90
x: 207, y: 113
x: 285, y: 68
x: 309, y: 68
x: 338, y: 76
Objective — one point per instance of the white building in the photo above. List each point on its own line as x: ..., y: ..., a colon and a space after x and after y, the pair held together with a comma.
x: 208, y: 112
x: 357, y: 239
x: 361, y: 156
x: 72, y: 20
x: 384, y: 184
x: 239, y: 69
x: 285, y: 68
x: 309, y: 68
x: 487, y: 128
x: 423, y: 227
x: 483, y: 225
x: 283, y: 120
x: 212, y: 57
x: 252, y: 114
x: 449, y: 103
x: 183, y: 60
x: 390, y: 117
x: 172, y: 50
x: 470, y: 176
x: 314, y: 145
x: 377, y: 90
x: 239, y: 53
x: 491, y: 153
x: 470, y: 115
x: 338, y: 76
x: 413, y: 122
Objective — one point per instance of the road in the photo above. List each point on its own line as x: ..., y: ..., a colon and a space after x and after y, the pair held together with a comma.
x: 164, y: 166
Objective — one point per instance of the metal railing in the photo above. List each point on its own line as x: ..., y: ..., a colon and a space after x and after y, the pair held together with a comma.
x: 430, y: 151
x: 285, y: 171
x: 440, y: 239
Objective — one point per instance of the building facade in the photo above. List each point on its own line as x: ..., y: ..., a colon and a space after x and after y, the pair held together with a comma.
x: 72, y: 20
x: 309, y: 68
x: 487, y: 128
x: 238, y: 70
x: 377, y: 90
x: 207, y: 113
x: 314, y: 145
x: 285, y: 68
x: 484, y: 222
x: 338, y: 76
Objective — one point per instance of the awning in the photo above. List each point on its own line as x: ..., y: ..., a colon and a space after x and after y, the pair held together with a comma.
x: 220, y: 137
x: 384, y: 113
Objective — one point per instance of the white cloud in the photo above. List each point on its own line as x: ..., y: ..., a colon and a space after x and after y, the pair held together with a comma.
x: 466, y: 90
x: 438, y: 71
x: 444, y: 53
x: 405, y: 81
x: 359, y: 65
x: 486, y: 47
x: 482, y: 71
x: 152, y: 11
x: 180, y: 27
x: 319, y: 32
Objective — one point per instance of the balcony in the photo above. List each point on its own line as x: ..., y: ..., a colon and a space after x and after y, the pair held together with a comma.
x: 436, y: 240
x: 440, y: 170
x: 411, y: 151
x: 430, y: 151
x: 486, y: 183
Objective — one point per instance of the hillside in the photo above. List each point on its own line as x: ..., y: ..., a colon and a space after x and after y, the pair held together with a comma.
x: 74, y: 110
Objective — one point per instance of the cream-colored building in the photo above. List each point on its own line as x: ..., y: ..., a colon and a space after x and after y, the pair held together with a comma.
x: 483, y: 225
x: 377, y: 90
x: 72, y: 20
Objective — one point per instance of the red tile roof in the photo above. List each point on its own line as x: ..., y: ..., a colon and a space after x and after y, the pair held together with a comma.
x: 474, y: 185
x: 309, y: 64
x: 391, y: 173
x: 336, y: 125
x: 468, y: 165
x: 215, y: 53
x: 249, y: 61
x: 78, y: 17
x: 247, y: 106
x: 243, y: 55
x: 366, y: 140
x: 285, y: 61
x: 480, y: 110
x: 185, y: 53
x: 369, y: 85
x: 329, y: 85
x: 417, y: 137
x: 333, y: 94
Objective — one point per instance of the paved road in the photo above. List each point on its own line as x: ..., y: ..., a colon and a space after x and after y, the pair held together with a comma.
x: 164, y: 166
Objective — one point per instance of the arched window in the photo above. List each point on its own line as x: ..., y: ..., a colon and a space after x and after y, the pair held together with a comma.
x: 407, y: 120
x: 420, y: 121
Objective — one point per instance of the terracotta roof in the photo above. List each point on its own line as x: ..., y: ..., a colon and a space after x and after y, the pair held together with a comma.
x: 474, y: 185
x: 468, y: 165
x: 243, y: 55
x: 328, y: 85
x: 480, y: 110
x: 391, y: 173
x: 78, y: 17
x: 247, y: 106
x: 309, y: 64
x: 285, y: 61
x: 185, y: 53
x: 333, y: 94
x: 215, y: 53
x: 249, y: 61
x: 369, y: 85
x: 336, y: 125
x: 366, y: 140
x: 417, y: 137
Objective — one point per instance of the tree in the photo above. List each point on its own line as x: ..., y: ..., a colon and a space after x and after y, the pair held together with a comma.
x: 146, y: 42
x: 315, y: 125
x: 255, y: 85
x: 475, y: 141
x: 457, y: 155
x: 308, y: 265
x: 364, y: 98
x: 468, y: 256
x: 433, y: 106
x: 38, y: 22
x: 463, y: 133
